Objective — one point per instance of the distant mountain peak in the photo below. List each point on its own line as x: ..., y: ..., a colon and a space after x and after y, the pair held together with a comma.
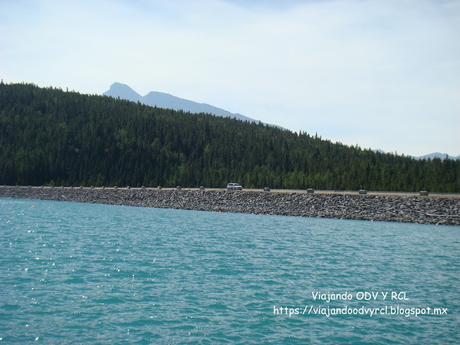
x: 438, y: 155
x: 166, y: 100
x: 123, y: 91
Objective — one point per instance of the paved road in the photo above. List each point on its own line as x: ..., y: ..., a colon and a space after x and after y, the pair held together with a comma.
x: 435, y: 195
x: 443, y: 195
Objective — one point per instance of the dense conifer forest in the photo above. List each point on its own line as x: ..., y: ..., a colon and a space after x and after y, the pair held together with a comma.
x: 48, y: 136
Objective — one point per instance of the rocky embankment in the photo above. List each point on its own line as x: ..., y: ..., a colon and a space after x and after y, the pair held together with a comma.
x: 413, y: 209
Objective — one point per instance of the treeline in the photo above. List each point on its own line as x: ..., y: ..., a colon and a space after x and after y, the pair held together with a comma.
x: 48, y: 136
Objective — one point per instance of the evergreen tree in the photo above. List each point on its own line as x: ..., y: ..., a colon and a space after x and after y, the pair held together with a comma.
x: 48, y: 136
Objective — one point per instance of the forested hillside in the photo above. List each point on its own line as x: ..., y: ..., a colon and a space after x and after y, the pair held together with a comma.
x: 48, y: 136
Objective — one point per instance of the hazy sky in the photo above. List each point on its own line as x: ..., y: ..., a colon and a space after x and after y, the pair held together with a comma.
x: 380, y: 74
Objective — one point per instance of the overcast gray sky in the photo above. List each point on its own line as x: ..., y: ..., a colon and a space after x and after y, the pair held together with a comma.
x: 380, y: 74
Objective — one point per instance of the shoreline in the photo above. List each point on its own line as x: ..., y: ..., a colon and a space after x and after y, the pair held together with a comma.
x: 371, y: 207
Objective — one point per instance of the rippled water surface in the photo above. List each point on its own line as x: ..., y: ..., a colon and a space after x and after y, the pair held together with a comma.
x: 82, y: 273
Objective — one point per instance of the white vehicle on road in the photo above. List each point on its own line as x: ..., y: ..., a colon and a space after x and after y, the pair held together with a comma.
x: 234, y: 186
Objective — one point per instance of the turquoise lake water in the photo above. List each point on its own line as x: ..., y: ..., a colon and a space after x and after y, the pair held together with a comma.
x: 85, y: 273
